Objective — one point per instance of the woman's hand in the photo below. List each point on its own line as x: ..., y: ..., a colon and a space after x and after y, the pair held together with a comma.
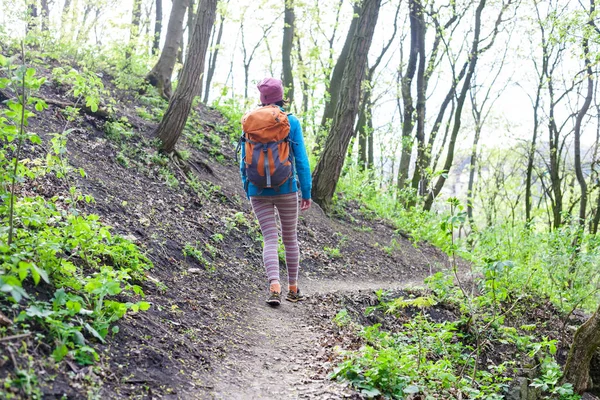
x: 305, y: 204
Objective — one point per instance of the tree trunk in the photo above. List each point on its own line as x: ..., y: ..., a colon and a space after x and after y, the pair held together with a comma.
x: 459, y: 106
x: 406, y: 84
x: 157, y: 27
x: 177, y: 113
x: 596, y: 220
x: 212, y: 61
x: 303, y: 82
x: 472, y: 169
x: 531, y: 153
x: 286, y: 50
x: 370, y: 132
x: 337, y: 74
x: 361, y: 134
x: 578, y: 121
x: 81, y: 32
x: 555, y: 178
x: 364, y: 127
x: 421, y: 163
x: 327, y: 171
x: 45, y: 15
x: 190, y: 21
x: 160, y: 75
x: 64, y: 19
x: 32, y: 13
x: 136, y: 16
x: 585, y: 343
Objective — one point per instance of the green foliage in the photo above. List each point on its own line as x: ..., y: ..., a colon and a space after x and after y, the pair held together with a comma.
x: 66, y: 275
x: 233, y: 113
x: 118, y: 131
x: 548, y: 382
x: 204, y: 189
x: 342, y: 318
x: 76, y: 252
x: 425, y: 358
x: 439, y: 359
x: 167, y: 175
x: 85, y: 86
x: 194, y: 251
x: 332, y: 252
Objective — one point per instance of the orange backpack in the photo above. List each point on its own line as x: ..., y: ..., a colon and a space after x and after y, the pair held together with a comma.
x: 266, y: 137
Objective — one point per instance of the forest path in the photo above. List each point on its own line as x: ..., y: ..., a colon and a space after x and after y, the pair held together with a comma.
x: 279, y: 356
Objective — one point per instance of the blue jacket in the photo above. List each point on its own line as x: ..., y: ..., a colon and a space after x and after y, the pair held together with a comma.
x: 302, y: 167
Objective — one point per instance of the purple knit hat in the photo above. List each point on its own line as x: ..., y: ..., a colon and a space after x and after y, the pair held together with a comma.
x: 271, y: 90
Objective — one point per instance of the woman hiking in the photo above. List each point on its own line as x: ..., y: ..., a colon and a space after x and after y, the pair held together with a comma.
x: 273, y: 162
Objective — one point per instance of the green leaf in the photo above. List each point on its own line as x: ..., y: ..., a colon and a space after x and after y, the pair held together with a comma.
x: 60, y: 298
x: 60, y: 352
x: 411, y: 389
x: 144, y: 305
x: 24, y: 267
x: 35, y: 139
x: 35, y: 275
x: 94, y: 332
x: 40, y: 105
x: 73, y: 305
x: 35, y: 311
x: 115, y: 329
x: 113, y: 288
x: 370, y: 392
x: 137, y: 290
x: 79, y: 339
x: 41, y: 272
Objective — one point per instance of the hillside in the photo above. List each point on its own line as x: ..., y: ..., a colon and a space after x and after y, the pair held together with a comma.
x: 207, y: 319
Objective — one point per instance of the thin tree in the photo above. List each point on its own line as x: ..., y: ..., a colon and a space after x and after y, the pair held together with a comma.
x: 595, y: 162
x: 417, y: 29
x: 581, y: 115
x: 212, y: 59
x: 64, y: 19
x: 32, y: 13
x: 134, y: 30
x: 335, y: 83
x: 364, y: 127
x: 474, y: 54
x: 302, y: 68
x: 541, y: 71
x: 180, y: 104
x: 157, y: 26
x: 286, y: 49
x: 45, y: 14
x: 327, y: 171
x: 160, y: 75
x: 481, y: 111
x: 249, y: 53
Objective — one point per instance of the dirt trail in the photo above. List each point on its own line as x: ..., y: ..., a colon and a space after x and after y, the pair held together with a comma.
x: 277, y: 360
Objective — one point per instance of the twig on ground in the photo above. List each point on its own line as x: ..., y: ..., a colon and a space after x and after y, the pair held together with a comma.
x: 15, y: 337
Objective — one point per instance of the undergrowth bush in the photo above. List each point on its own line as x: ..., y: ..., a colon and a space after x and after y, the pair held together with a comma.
x: 65, y: 278
x: 443, y: 359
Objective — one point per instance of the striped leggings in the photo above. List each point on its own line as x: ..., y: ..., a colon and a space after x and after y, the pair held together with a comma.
x: 287, y: 208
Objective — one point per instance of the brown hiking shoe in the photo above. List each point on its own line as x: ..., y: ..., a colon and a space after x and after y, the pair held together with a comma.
x: 274, y: 299
x: 295, y: 296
